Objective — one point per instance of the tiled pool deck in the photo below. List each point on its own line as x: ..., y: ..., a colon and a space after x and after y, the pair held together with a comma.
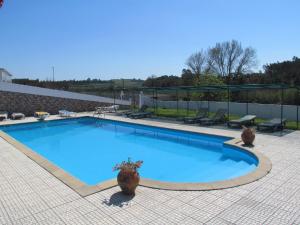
x: 31, y: 195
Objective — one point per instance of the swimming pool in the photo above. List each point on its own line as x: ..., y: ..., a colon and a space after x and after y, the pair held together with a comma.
x: 88, y: 148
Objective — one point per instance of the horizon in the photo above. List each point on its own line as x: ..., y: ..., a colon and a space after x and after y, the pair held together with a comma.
x: 132, y: 39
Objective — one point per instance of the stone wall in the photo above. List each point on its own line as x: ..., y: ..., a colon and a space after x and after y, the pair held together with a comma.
x: 31, y: 90
x: 28, y: 103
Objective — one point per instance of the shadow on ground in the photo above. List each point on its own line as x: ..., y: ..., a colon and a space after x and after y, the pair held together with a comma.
x: 118, y: 199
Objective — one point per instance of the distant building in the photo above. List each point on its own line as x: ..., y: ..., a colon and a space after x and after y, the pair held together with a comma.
x: 5, y: 76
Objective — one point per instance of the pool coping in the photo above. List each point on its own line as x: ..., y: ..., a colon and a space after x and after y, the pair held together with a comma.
x: 263, y: 168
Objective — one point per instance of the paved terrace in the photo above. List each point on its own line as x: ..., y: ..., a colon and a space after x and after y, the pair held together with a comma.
x: 31, y: 195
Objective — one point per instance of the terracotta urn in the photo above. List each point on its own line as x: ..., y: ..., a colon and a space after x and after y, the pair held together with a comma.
x: 248, y: 136
x: 128, y: 180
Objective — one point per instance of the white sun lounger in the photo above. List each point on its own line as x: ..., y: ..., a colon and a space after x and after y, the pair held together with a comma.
x: 106, y: 109
x: 41, y: 115
x: 112, y: 108
x: 65, y: 113
x: 17, y: 116
x: 3, y: 115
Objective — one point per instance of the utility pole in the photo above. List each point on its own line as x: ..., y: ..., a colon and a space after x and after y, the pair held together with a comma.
x: 53, y: 73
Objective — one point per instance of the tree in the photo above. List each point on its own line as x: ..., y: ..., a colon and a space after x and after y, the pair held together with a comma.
x: 150, y: 81
x: 162, y: 81
x: 230, y: 58
x: 209, y: 79
x: 284, y: 72
x: 188, y: 78
x: 197, y: 62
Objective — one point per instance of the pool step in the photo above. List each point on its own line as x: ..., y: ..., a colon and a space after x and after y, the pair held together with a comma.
x: 244, y: 171
x: 229, y: 171
x: 241, y: 168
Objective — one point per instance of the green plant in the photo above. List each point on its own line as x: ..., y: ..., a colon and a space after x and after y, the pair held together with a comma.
x: 128, y: 165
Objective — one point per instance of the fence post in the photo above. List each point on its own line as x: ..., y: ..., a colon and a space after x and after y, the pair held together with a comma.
x: 297, y: 117
x: 281, y: 105
x: 114, y: 96
x: 228, y: 99
x: 153, y: 100
x: 177, y: 99
x: 247, y: 103
x: 188, y: 102
x: 208, y: 101
x: 298, y: 91
x: 141, y: 100
x: 156, y: 98
x: 134, y: 100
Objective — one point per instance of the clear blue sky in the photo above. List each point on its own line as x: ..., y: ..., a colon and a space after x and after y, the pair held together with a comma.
x: 137, y: 38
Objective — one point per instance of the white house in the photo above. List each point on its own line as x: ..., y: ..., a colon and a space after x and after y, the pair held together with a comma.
x: 5, y: 76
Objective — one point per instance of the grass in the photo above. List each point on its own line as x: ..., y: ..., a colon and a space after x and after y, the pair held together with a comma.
x: 173, y: 113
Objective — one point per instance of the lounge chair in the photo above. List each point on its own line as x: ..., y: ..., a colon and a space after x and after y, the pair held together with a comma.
x: 41, y: 115
x: 273, y: 125
x: 106, y: 109
x: 202, y: 113
x: 141, y: 113
x: 244, y: 121
x: 112, y: 108
x: 17, y: 116
x: 129, y: 112
x: 65, y: 113
x: 99, y: 111
x: 219, y: 117
x: 3, y: 115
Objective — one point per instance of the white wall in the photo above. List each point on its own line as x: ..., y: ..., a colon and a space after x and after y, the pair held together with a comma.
x: 18, y: 88
x: 4, y: 76
x: 266, y: 111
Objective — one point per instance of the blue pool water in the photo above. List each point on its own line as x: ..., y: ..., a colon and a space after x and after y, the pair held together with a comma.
x: 88, y: 148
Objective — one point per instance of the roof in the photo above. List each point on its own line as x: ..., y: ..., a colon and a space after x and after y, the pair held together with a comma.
x: 4, y: 70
